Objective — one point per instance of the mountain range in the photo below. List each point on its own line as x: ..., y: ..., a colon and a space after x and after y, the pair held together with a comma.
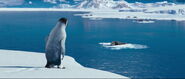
x: 76, y: 3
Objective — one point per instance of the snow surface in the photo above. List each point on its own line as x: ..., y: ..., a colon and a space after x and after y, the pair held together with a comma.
x: 22, y: 64
x: 125, y: 46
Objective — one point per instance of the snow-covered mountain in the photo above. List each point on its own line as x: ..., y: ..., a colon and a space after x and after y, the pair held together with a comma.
x: 103, y: 4
x: 122, y: 4
x: 96, y: 4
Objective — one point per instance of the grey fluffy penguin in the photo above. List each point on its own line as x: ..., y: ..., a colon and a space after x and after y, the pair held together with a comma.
x: 55, y: 44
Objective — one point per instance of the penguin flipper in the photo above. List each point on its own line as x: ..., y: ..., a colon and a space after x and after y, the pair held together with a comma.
x: 62, y: 43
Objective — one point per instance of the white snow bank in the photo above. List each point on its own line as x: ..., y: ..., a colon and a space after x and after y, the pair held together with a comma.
x: 148, y: 5
x: 21, y: 64
x: 133, y: 15
x: 125, y: 46
x: 109, y: 13
x: 175, y: 9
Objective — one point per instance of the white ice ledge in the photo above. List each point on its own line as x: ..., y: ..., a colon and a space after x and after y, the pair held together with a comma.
x: 113, y: 13
x: 21, y: 64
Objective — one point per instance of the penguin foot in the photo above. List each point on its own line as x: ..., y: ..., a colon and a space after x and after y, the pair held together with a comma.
x: 61, y: 67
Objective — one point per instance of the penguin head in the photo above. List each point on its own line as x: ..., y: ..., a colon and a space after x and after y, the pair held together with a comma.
x: 63, y: 20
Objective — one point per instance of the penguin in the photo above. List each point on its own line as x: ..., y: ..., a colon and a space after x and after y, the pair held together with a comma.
x: 55, y: 44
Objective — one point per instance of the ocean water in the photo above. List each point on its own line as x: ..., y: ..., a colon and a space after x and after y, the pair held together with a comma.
x: 165, y: 40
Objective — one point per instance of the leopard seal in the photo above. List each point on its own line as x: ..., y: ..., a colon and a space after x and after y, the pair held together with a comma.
x: 55, y: 44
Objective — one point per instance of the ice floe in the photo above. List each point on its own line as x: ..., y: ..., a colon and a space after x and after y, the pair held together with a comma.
x: 124, y: 46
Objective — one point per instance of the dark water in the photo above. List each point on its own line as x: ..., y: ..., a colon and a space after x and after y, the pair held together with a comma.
x: 165, y: 57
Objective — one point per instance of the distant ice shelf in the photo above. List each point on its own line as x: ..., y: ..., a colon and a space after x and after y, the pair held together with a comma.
x: 133, y: 15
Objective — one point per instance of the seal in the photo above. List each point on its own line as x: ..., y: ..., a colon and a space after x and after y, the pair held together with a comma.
x: 55, y: 44
x: 113, y: 43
